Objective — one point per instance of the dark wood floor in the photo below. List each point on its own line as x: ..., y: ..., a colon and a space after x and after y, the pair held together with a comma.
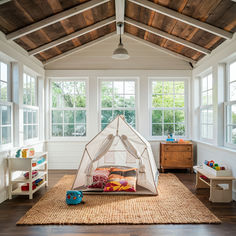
x: 12, y: 210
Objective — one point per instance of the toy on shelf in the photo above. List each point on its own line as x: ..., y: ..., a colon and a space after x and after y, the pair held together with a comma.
x: 25, y: 153
x: 170, y: 138
x: 31, y: 152
x: 18, y: 153
x: 74, y: 197
x: 216, y: 169
x: 35, y: 184
x: 34, y: 174
x: 214, y: 165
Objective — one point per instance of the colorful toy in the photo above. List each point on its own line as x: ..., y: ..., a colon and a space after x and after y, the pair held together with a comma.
x: 74, y: 197
x: 25, y: 153
x: 214, y: 165
x: 34, y: 174
x: 18, y: 153
x: 31, y: 152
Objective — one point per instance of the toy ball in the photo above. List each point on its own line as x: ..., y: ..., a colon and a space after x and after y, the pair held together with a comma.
x: 74, y: 197
x: 216, y: 164
x: 211, y: 164
x: 206, y: 162
x: 217, y: 168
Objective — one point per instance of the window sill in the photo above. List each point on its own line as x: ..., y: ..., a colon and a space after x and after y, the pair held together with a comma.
x: 222, y: 148
x: 52, y: 140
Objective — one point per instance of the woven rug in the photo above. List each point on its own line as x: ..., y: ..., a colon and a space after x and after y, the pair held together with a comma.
x: 175, y: 204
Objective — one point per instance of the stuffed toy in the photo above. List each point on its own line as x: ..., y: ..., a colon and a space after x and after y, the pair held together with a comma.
x: 74, y: 197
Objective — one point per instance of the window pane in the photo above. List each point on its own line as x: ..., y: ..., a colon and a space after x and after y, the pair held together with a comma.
x: 204, y: 98
x: 57, y: 94
x: 179, y: 87
x: 80, y: 130
x: 3, y: 91
x: 69, y: 130
x: 103, y: 126
x: 157, y: 87
x: 106, y: 116
x: 179, y: 101
x: 209, y: 82
x: 130, y: 117
x: 232, y: 72
x: 168, y: 129
x: 117, y: 112
x: 168, y: 101
x: 118, y: 87
x: 129, y: 87
x: 57, y: 130
x: 6, y: 135
x: 204, y: 131
x: 231, y: 134
x: 30, y: 118
x: 129, y: 101
x: 80, y: 101
x: 106, y: 87
x: 157, y: 101
x: 204, y: 84
x: 204, y: 116
x: 179, y: 130
x: 30, y: 131
x: 33, y: 91
x: 107, y: 101
x: 209, y: 101
x: 35, y: 131
x: 233, y: 114
x: 157, y: 116
x: 232, y: 91
x: 168, y: 87
x: 34, y: 117
x: 68, y: 90
x: 119, y: 101
x: 3, y: 70
x: 25, y: 117
x: 80, y: 116
x: 79, y: 87
x: 6, y: 115
x: 157, y: 129
x: 25, y: 132
x: 68, y: 116
x: 210, y: 116
x: 179, y: 116
x: 57, y: 116
x: 168, y: 117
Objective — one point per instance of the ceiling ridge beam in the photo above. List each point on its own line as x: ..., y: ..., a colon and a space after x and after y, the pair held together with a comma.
x: 167, y: 36
x: 120, y: 14
x: 76, y: 34
x: 80, y: 48
x: 55, y: 18
x: 183, y: 18
x: 159, y: 48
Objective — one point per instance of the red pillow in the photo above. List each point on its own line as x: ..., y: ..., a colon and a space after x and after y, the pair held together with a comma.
x: 100, y: 177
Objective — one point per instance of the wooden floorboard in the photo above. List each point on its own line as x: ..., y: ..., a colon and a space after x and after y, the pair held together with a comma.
x: 12, y: 210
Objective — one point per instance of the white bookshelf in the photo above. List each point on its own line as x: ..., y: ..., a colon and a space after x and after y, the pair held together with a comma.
x: 25, y: 165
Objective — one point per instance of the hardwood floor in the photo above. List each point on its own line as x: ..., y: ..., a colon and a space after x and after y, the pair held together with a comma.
x: 12, y: 210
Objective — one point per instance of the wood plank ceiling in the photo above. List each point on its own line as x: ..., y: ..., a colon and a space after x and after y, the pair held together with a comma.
x: 17, y: 14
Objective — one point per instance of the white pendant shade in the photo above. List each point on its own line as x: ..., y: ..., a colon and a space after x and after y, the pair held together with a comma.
x: 120, y: 53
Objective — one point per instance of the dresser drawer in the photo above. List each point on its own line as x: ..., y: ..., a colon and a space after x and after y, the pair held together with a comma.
x: 177, y: 159
x: 178, y: 148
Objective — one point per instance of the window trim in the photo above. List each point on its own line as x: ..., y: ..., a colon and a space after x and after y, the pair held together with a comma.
x: 185, y: 109
x: 68, y: 138
x: 228, y: 102
x: 118, y: 78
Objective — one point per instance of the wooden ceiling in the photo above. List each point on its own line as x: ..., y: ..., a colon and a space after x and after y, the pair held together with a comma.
x: 50, y: 28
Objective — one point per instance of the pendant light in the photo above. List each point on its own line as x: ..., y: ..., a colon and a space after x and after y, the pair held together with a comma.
x: 120, y: 53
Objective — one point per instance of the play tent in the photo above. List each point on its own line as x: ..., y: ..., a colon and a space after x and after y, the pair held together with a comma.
x: 118, y: 145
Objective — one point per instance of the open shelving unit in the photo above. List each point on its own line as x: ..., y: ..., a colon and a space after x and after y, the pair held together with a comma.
x: 26, y: 165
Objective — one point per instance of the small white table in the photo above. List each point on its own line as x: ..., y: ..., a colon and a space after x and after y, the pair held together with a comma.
x: 25, y: 164
x: 217, y: 193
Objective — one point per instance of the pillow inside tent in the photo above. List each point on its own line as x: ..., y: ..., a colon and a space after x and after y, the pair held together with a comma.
x: 100, y: 177
x: 121, y: 180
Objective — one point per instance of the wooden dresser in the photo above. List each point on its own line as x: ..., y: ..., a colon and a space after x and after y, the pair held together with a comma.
x: 176, y: 156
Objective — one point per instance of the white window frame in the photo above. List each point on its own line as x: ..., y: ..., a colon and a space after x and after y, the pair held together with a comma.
x: 124, y: 79
x: 31, y: 107
x: 228, y: 103
x: 4, y: 147
x: 186, y: 88
x: 68, y: 138
x: 206, y: 107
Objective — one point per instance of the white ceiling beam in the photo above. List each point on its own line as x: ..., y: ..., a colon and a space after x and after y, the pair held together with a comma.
x: 167, y: 36
x: 120, y: 14
x: 55, y: 18
x: 80, y: 48
x: 159, y: 48
x: 4, y: 1
x: 183, y: 18
x: 72, y: 36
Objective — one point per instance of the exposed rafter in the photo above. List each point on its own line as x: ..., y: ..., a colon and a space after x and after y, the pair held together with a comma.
x: 159, y: 48
x: 77, y: 49
x: 73, y: 35
x: 55, y: 18
x: 167, y: 36
x: 183, y: 18
x: 120, y: 14
x: 4, y: 1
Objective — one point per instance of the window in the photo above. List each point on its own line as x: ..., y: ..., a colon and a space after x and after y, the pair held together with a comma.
x: 68, y: 108
x: 206, y: 108
x: 168, y: 108
x: 30, y: 108
x: 230, y: 105
x: 117, y: 98
x: 5, y: 107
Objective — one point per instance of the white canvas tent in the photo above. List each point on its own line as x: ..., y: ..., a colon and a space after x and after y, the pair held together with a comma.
x: 118, y: 145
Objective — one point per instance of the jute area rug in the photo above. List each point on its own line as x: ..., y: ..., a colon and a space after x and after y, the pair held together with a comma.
x: 175, y: 204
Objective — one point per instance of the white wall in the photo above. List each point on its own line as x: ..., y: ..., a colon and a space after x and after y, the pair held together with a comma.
x: 11, y: 52
x: 215, y: 151
x: 67, y: 154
